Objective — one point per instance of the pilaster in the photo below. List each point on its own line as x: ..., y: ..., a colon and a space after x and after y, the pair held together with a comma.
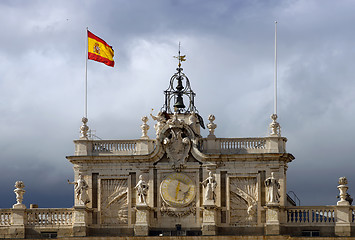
x: 144, y: 146
x: 81, y: 221
x: 17, y: 228
x: 343, y: 211
x: 272, y: 226
x: 342, y: 225
x: 83, y: 147
x: 209, y: 225
x: 141, y: 228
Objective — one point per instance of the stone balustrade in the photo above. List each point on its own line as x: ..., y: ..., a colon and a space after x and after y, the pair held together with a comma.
x: 314, y: 214
x: 46, y: 217
x: 5, y: 217
x: 86, y: 147
x: 114, y: 147
x: 244, y: 145
x: 59, y: 220
x: 40, y: 217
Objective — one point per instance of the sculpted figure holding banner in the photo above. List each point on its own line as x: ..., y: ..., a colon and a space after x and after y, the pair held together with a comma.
x: 80, y: 187
x: 142, y: 190
x: 161, y: 120
x: 210, y: 185
x: 272, y: 187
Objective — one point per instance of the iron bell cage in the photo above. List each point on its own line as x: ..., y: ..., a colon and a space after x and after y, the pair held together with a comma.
x: 179, y: 88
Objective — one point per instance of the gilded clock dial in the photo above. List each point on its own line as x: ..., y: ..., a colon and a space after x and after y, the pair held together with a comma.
x: 177, y: 190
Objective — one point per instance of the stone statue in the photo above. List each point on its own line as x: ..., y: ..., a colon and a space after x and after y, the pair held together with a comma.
x: 80, y: 187
x: 142, y: 190
x: 272, y: 187
x: 161, y: 120
x: 210, y: 185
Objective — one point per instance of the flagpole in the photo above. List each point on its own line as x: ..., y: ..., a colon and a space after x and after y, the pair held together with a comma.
x: 86, y: 75
x: 275, y: 80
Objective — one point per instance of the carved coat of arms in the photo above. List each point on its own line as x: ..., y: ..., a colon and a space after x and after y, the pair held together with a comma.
x: 177, y: 148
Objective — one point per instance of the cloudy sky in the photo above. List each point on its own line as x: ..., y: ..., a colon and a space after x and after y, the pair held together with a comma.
x: 230, y: 62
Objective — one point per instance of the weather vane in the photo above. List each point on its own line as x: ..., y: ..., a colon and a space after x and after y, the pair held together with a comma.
x: 180, y: 58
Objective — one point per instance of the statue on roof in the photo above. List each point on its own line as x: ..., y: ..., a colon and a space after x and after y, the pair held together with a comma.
x: 80, y: 187
x: 272, y: 187
x: 161, y: 121
x: 142, y: 190
x: 210, y: 185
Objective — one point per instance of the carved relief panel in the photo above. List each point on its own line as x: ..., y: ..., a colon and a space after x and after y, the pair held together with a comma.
x: 243, y: 200
x: 114, y: 201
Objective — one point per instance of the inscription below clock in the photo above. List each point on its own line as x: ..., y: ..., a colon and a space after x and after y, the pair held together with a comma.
x: 177, y: 190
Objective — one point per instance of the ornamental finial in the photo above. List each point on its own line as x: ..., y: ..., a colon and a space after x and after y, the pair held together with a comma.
x: 345, y: 198
x: 84, y: 129
x: 19, y: 191
x: 145, y: 127
x: 275, y: 128
x: 180, y: 58
x: 211, y: 126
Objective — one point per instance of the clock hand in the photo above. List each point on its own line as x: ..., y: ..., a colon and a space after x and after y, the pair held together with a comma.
x: 177, y: 191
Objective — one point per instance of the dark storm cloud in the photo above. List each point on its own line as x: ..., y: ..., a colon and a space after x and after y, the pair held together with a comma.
x: 229, y: 47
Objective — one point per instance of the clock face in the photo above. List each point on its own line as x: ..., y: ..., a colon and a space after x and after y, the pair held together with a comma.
x: 177, y: 190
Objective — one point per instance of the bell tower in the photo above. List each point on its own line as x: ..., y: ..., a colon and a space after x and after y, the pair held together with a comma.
x: 178, y: 90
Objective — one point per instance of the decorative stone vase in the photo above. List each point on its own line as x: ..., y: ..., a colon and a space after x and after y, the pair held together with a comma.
x: 19, y: 191
x: 343, y: 191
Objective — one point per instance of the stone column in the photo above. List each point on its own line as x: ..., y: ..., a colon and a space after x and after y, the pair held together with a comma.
x: 343, y: 211
x: 209, y: 224
x: 141, y: 228
x: 81, y: 221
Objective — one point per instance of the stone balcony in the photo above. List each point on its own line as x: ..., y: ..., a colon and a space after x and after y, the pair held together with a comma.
x: 209, y: 145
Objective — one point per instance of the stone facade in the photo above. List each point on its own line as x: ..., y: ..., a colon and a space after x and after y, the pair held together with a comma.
x: 175, y: 167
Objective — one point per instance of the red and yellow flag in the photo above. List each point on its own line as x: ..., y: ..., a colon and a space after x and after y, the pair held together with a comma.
x: 99, y: 50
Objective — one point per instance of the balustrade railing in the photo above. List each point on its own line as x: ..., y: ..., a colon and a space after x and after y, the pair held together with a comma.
x: 44, y: 217
x: 305, y: 215
x: 114, y: 146
x: 5, y: 217
x: 242, y: 143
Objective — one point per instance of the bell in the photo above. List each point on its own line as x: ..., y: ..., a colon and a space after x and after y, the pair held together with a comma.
x: 179, y: 102
x: 179, y: 87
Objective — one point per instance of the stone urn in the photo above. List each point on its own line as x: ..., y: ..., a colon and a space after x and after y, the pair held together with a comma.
x: 19, y: 191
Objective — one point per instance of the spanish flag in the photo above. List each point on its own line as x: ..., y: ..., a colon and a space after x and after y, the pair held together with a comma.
x: 99, y: 50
